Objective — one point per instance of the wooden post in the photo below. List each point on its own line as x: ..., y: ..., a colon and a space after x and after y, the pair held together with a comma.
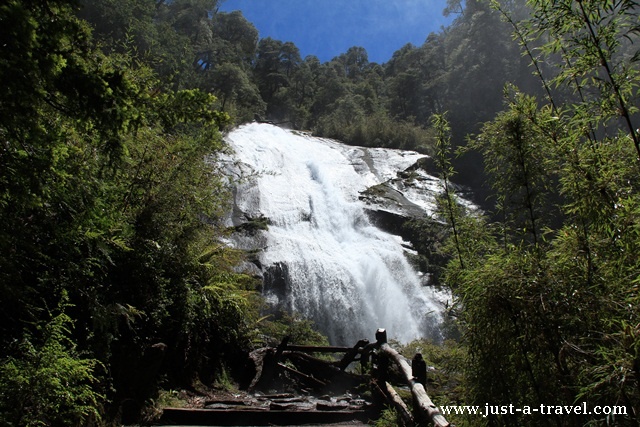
x: 282, y: 347
x: 350, y: 355
x: 419, y: 369
x: 423, y: 402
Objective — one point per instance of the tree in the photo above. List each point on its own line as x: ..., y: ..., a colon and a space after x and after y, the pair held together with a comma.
x: 453, y: 6
x: 276, y: 62
x: 234, y: 86
x: 542, y: 316
x: 447, y: 203
x: 303, y: 90
x: 237, y: 38
x: 354, y: 61
x: 514, y: 152
x: 118, y: 23
x: 109, y: 199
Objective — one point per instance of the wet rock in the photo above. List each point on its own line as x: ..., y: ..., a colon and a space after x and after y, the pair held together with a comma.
x: 331, y: 406
x: 292, y: 406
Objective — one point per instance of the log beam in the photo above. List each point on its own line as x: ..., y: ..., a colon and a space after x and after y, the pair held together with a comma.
x: 318, y: 349
x: 311, y: 381
x: 422, y: 399
x: 399, y: 404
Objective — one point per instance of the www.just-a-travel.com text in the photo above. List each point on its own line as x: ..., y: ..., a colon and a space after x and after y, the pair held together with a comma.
x: 488, y: 410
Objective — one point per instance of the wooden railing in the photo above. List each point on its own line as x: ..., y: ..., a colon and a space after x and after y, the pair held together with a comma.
x: 374, y: 357
x: 424, y: 408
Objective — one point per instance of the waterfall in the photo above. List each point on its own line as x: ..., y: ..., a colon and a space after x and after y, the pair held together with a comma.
x: 321, y: 256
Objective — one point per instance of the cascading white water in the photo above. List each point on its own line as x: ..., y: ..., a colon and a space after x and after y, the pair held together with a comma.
x: 339, y: 270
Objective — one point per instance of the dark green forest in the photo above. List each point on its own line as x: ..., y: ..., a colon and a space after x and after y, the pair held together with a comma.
x: 115, y: 282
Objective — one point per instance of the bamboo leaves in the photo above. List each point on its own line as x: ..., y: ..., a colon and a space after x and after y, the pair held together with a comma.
x: 552, y: 314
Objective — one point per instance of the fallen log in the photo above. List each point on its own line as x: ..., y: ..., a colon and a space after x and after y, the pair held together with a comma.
x: 351, y: 354
x: 276, y: 396
x: 399, y: 404
x: 311, y: 371
x: 266, y: 361
x: 422, y: 399
x: 308, y: 379
x: 317, y: 349
x: 324, y: 371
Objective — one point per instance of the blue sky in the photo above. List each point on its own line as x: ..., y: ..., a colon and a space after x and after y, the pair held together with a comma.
x: 327, y: 28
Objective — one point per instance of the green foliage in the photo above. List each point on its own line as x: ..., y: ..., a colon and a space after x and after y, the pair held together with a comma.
x: 447, y: 206
x: 376, y: 130
x: 592, y: 38
x: 547, y: 302
x: 445, y: 381
x: 299, y: 330
x: 388, y: 418
x: 46, y: 381
x: 515, y: 156
x: 238, y: 93
x: 108, y: 195
x: 253, y: 225
x: 427, y: 237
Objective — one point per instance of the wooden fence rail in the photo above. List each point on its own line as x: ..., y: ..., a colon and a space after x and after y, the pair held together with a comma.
x: 321, y: 374
x: 298, y: 365
x: 426, y: 409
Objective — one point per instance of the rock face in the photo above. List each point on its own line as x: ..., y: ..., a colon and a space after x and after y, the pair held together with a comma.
x: 404, y: 206
x: 329, y: 227
x: 389, y: 208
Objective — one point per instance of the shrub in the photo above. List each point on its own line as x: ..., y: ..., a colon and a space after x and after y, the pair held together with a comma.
x: 46, y: 382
